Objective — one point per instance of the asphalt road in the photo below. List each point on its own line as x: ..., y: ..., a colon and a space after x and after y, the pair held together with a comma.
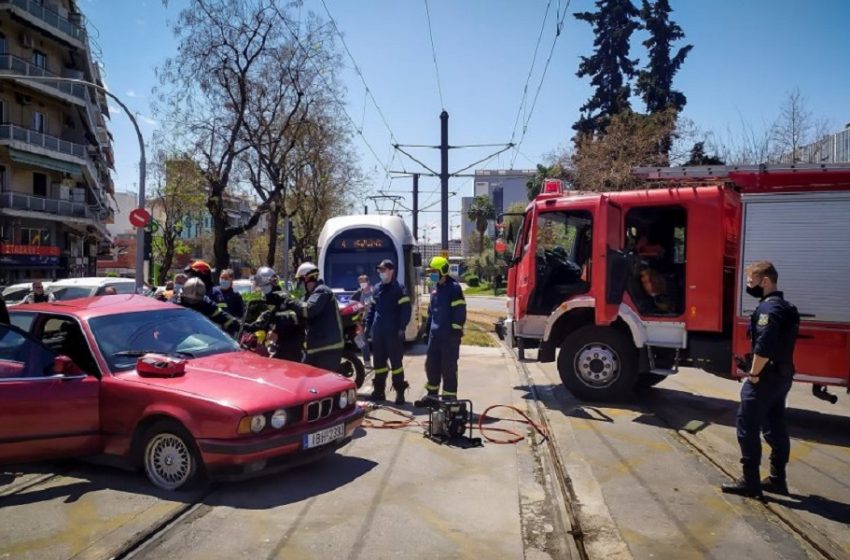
x: 489, y: 304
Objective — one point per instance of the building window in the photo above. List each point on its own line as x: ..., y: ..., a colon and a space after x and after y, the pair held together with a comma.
x: 2, y: 178
x: 39, y: 184
x: 2, y: 43
x: 2, y: 111
x: 34, y: 236
x: 39, y: 122
x: 39, y: 59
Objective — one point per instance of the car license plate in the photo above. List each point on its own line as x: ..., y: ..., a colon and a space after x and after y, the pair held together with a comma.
x: 322, y: 437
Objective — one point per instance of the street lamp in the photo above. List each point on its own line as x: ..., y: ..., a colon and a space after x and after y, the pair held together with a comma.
x: 140, y: 231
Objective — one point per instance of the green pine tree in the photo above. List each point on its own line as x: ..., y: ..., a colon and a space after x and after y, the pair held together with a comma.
x: 610, y: 67
x: 655, y: 82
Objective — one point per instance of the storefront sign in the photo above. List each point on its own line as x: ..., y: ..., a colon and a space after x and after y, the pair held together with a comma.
x: 32, y: 250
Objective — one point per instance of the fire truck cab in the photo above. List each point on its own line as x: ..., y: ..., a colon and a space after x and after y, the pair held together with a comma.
x: 626, y: 287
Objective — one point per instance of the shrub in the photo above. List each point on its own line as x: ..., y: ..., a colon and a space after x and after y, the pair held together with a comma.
x: 472, y: 281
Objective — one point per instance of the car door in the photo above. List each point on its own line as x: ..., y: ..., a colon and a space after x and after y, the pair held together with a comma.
x: 44, y: 414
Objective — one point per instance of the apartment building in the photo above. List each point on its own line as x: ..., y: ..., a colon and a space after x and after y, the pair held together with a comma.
x: 503, y: 187
x: 55, y: 149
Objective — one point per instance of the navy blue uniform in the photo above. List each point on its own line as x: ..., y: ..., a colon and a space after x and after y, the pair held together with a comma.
x: 323, y: 325
x: 773, y: 328
x: 446, y: 318
x: 388, y: 316
x: 232, y: 302
x: 220, y: 317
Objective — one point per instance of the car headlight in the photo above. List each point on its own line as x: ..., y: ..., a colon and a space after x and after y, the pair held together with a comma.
x: 352, y: 396
x: 278, y: 419
x: 343, y: 399
x: 258, y: 422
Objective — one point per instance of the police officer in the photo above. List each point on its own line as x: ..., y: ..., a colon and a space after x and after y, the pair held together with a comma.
x: 773, y: 329
x: 323, y: 325
x: 446, y: 318
x: 285, y: 332
x: 388, y: 316
x: 194, y: 296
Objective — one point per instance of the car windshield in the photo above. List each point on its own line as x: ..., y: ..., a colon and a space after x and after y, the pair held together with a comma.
x: 124, y: 336
x: 70, y: 292
x: 14, y: 295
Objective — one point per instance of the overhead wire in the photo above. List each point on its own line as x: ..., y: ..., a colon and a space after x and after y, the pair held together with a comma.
x: 531, y: 70
x: 558, y: 29
x: 434, y: 54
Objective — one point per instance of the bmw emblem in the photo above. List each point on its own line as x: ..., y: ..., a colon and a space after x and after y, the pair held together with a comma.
x: 313, y: 390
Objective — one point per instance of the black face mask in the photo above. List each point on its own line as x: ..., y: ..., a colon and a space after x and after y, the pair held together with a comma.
x: 756, y: 291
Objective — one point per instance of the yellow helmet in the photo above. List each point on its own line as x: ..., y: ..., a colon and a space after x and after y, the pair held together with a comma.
x: 440, y: 264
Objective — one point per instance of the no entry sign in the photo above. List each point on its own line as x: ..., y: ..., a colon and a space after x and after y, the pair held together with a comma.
x: 140, y: 217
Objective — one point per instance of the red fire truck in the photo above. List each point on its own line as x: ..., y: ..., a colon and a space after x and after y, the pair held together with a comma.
x: 629, y: 286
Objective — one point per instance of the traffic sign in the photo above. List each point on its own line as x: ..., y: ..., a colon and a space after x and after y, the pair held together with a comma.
x: 140, y: 217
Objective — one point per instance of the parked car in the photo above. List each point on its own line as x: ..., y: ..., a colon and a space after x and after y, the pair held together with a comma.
x: 161, y: 388
x: 72, y: 288
x: 16, y: 293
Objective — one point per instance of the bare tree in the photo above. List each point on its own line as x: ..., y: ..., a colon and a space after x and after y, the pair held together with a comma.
x: 793, y: 128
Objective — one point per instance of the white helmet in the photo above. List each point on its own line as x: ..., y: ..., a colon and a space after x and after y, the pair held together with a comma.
x: 264, y: 276
x: 194, y: 291
x: 307, y: 271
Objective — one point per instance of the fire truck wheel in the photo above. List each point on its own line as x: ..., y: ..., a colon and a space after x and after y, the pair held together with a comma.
x: 598, y: 363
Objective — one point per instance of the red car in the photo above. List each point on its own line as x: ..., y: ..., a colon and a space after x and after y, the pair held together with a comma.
x: 160, y: 387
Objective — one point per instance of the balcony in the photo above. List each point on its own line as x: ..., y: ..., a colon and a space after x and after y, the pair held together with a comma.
x: 45, y: 141
x: 12, y: 64
x: 54, y: 20
x: 18, y: 201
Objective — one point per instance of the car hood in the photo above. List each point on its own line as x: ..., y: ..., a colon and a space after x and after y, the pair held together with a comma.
x: 251, y: 382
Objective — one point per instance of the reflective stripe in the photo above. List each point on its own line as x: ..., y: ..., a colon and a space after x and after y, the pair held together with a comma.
x: 337, y: 346
x: 457, y: 302
x: 449, y: 394
x: 398, y: 371
x: 405, y: 299
x: 381, y: 370
x: 457, y: 327
x: 305, y: 309
x: 432, y: 387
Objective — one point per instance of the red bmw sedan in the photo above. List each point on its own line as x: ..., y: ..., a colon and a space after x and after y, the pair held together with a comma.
x: 160, y: 388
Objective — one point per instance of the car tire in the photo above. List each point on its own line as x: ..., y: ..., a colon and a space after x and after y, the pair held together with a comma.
x: 598, y: 363
x: 352, y: 366
x: 170, y: 457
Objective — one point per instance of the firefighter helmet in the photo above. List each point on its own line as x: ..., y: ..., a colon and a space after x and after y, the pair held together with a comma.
x: 199, y: 267
x: 440, y: 264
x: 194, y: 291
x: 264, y: 276
x: 307, y: 271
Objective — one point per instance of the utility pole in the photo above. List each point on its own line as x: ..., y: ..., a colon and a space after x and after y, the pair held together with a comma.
x: 285, y: 264
x: 365, y: 208
x: 444, y: 179
x: 415, y: 203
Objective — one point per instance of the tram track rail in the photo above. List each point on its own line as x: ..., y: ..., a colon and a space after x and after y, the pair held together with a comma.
x: 792, y: 522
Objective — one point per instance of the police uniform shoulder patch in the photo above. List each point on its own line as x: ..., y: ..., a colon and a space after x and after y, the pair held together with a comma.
x: 764, y: 318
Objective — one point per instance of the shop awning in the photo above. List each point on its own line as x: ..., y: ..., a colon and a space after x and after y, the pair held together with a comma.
x: 44, y: 162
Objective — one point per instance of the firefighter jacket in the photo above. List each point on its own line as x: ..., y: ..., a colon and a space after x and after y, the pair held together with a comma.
x: 211, y: 311
x: 447, y: 310
x: 322, y: 320
x: 390, y: 309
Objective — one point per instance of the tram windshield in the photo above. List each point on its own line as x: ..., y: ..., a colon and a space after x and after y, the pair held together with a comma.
x: 355, y: 252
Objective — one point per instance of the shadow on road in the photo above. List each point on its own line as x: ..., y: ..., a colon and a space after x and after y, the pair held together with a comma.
x: 818, y: 505
x: 265, y: 492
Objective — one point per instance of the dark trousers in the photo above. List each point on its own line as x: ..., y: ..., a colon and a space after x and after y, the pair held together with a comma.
x: 387, y: 356
x: 329, y: 360
x: 441, y: 364
x: 762, y: 411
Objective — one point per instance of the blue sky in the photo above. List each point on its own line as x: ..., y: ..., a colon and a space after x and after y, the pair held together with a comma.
x: 747, y: 56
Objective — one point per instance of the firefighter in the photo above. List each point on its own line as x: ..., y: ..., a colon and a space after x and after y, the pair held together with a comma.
x: 324, y: 340
x: 388, y: 316
x: 202, y: 270
x: 446, y: 317
x: 284, y: 331
x: 773, y: 330
x: 194, y: 296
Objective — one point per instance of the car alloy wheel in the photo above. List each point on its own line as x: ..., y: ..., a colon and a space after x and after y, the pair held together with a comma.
x: 169, y: 461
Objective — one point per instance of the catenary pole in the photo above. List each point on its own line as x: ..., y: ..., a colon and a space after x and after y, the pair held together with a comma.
x: 444, y: 179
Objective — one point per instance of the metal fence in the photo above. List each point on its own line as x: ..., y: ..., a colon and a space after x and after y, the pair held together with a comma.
x: 20, y: 201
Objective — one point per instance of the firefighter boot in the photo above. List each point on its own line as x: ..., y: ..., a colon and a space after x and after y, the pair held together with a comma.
x: 749, y: 486
x: 379, y: 383
x: 430, y: 400
x: 775, y: 483
x: 400, y: 386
